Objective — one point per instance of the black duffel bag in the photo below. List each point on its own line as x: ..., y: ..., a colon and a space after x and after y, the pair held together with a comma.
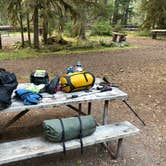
x: 8, y: 83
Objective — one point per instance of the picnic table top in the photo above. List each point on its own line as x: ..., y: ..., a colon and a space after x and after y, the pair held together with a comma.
x: 61, y: 98
x: 119, y: 33
x: 158, y: 30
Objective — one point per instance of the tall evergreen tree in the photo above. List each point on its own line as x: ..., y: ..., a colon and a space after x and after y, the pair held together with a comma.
x: 155, y: 13
x: 15, y: 12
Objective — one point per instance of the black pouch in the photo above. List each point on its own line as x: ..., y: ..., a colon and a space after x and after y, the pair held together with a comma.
x: 52, y: 87
x: 37, y: 80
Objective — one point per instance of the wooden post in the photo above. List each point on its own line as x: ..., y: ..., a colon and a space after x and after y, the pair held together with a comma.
x: 89, y: 108
x: 122, y: 38
x: 80, y: 108
x: 0, y: 42
x: 114, y: 37
x: 105, y: 113
x: 154, y: 35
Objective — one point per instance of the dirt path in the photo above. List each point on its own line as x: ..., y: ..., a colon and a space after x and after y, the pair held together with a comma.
x: 141, y: 72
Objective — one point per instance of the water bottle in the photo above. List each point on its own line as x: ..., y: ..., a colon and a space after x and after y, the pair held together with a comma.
x: 70, y: 69
x: 78, y: 67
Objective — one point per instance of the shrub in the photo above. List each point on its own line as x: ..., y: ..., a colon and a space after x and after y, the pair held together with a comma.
x: 104, y: 43
x: 69, y: 29
x: 101, y: 27
x: 144, y: 33
x: 118, y: 28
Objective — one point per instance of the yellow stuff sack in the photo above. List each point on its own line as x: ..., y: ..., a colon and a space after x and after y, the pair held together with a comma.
x: 77, y: 81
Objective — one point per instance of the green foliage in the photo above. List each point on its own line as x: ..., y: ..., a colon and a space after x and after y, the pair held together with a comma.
x: 79, y: 162
x: 18, y: 53
x: 155, y: 11
x: 122, y: 11
x: 145, y: 33
x: 83, y: 44
x: 101, y: 27
x: 118, y: 27
x: 69, y: 29
x: 105, y: 43
x: 31, y: 53
x: 76, y: 18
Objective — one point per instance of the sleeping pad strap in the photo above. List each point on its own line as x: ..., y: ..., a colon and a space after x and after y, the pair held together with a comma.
x: 80, y: 135
x: 63, y: 136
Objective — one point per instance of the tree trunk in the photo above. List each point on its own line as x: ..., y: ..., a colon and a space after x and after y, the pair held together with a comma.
x: 45, y: 30
x: 45, y: 23
x: 36, y: 27
x: 115, y: 13
x: 28, y: 30
x: 105, y: 2
x: 125, y: 13
x: 82, y: 33
x: 162, y: 22
x: 21, y: 25
x: 22, y: 31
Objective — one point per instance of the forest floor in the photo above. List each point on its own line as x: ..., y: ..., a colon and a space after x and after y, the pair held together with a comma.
x: 141, y: 72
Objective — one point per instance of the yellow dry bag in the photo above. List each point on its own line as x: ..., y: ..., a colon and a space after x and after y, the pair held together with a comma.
x: 77, y: 81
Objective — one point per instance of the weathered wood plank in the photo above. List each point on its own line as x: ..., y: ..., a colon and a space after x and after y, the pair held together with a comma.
x: 158, y: 30
x: 61, y: 98
x: 33, y: 147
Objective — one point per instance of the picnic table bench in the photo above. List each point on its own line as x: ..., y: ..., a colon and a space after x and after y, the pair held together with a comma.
x: 157, y: 31
x: 38, y: 146
x: 118, y: 37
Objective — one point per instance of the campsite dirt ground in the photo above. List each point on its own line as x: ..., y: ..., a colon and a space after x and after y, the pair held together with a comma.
x: 141, y: 72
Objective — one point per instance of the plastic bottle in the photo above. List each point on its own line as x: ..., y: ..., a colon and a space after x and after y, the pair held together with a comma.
x: 70, y: 69
x: 78, y: 67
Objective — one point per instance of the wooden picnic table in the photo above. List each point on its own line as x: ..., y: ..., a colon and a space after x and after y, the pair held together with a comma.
x: 117, y: 36
x: 120, y: 130
x: 157, y: 31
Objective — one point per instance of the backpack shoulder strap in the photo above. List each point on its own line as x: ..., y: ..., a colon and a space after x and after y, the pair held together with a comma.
x: 2, y: 69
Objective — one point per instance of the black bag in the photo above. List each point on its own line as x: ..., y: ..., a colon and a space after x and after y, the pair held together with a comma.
x: 8, y: 83
x: 52, y: 87
x: 37, y: 80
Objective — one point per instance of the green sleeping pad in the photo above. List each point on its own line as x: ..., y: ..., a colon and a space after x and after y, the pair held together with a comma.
x: 53, y: 128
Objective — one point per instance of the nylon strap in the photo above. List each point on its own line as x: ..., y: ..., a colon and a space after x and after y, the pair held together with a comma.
x: 80, y: 135
x: 63, y: 136
x: 85, y: 77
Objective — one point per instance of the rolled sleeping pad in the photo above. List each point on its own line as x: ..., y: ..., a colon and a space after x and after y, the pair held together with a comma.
x: 53, y: 128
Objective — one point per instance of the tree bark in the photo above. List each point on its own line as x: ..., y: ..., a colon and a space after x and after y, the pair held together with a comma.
x: 125, y: 13
x: 36, y: 27
x: 21, y: 25
x: 115, y: 13
x: 45, y: 23
x: 82, y: 33
x: 45, y: 30
x: 28, y: 30
x: 105, y: 2
x: 22, y: 30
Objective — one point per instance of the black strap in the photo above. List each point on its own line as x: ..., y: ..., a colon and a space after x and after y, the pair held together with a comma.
x: 85, y: 77
x: 63, y: 136
x: 80, y: 135
x: 68, y: 78
x: 2, y: 69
